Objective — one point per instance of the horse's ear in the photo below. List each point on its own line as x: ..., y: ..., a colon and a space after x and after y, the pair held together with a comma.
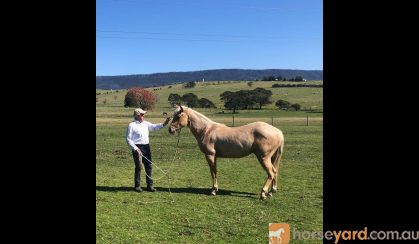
x: 181, y: 109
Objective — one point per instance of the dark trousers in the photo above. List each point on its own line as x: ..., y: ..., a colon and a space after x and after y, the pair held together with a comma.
x: 145, y: 149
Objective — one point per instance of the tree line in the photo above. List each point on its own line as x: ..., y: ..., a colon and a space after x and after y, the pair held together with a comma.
x: 191, y: 100
x: 243, y: 99
x: 246, y: 99
x: 280, y: 78
x: 296, y: 85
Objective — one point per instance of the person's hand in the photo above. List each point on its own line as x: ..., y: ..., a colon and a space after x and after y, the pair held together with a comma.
x: 139, y: 152
x: 166, y: 122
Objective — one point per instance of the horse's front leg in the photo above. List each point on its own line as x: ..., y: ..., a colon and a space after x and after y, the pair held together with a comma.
x: 212, y: 162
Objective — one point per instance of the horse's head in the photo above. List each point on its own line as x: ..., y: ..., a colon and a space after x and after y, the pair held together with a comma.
x: 180, y: 119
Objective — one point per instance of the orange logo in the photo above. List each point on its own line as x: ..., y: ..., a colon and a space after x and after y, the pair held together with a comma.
x: 279, y: 233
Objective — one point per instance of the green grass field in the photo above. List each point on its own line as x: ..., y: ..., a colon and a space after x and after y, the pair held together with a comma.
x: 236, y: 214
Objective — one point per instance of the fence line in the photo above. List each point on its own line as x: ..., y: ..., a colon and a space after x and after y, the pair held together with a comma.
x: 234, y: 121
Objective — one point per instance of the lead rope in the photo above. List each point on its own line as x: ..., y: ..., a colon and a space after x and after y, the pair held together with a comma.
x: 164, y: 174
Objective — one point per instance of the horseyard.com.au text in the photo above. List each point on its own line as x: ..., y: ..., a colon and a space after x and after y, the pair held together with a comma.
x: 280, y: 233
x: 350, y: 235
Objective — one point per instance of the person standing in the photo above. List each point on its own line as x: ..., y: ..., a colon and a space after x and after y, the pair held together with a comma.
x: 138, y: 140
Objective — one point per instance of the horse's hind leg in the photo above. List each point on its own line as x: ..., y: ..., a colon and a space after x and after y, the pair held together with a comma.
x: 275, y: 160
x: 212, y: 162
x: 267, y: 165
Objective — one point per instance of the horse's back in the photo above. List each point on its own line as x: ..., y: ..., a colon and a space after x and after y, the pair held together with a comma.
x: 243, y: 140
x: 255, y: 129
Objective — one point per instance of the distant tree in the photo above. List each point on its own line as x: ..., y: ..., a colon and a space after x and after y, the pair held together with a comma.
x: 282, y: 104
x: 140, y: 98
x: 174, y: 99
x: 299, y: 78
x: 250, y: 83
x: 190, y: 84
x: 296, y: 106
x: 190, y: 99
x: 170, y: 87
x: 231, y: 100
x: 262, y: 96
x: 246, y: 99
x: 205, y: 103
x: 268, y: 78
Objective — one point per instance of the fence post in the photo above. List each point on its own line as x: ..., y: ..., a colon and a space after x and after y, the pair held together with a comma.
x: 307, y: 119
x: 233, y: 120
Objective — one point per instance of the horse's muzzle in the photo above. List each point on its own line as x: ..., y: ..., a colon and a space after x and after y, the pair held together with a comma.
x: 172, y: 130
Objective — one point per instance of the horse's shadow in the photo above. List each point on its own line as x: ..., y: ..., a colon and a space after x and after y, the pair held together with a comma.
x: 206, y: 191
x: 189, y: 190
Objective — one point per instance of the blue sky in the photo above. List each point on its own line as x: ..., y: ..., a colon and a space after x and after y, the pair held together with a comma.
x: 152, y: 36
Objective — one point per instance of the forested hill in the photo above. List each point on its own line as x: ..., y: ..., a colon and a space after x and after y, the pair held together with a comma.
x: 159, y: 79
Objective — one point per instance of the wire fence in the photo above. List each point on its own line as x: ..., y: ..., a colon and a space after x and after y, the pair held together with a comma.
x: 235, y: 121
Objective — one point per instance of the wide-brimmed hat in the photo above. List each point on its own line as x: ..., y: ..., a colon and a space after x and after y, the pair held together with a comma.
x: 139, y: 111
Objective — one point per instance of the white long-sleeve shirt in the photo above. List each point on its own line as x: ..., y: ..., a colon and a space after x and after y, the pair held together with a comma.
x: 137, y: 132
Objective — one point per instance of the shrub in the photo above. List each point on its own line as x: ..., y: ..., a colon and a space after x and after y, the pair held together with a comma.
x: 190, y: 84
x: 174, y: 99
x: 296, y: 106
x: 282, y: 104
x: 140, y: 98
x: 205, y: 103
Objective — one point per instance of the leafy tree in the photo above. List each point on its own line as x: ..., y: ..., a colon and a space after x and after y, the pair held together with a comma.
x: 205, y: 103
x: 174, y: 99
x: 140, y: 98
x: 299, y: 78
x: 262, y: 96
x: 231, y: 100
x: 282, y: 104
x: 190, y: 99
x: 246, y: 99
x: 296, y: 106
x: 190, y: 84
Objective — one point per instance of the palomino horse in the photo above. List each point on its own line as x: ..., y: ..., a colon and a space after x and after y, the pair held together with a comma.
x: 218, y: 140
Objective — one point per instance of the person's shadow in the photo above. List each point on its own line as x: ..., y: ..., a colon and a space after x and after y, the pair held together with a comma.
x: 189, y: 190
x: 114, y: 188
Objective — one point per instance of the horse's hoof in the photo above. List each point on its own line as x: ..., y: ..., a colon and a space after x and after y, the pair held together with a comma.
x: 274, y: 190
x: 263, y: 196
x: 270, y: 194
x: 214, y: 192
